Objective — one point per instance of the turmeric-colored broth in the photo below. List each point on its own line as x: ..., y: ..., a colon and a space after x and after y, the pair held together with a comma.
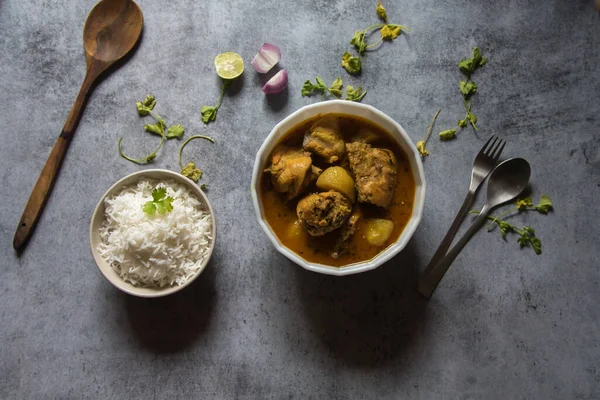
x: 282, y: 218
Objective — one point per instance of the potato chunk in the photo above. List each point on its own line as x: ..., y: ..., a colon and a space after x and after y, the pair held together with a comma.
x: 338, y: 179
x: 378, y: 231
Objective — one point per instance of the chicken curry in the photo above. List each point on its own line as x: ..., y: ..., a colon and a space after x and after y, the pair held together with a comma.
x: 337, y: 190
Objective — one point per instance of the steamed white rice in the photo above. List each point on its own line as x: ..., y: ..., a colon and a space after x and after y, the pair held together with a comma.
x: 160, y: 250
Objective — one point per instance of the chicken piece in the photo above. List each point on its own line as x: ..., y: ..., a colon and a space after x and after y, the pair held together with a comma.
x: 291, y: 170
x: 323, y: 212
x: 349, y: 228
x: 324, y: 139
x: 374, y: 172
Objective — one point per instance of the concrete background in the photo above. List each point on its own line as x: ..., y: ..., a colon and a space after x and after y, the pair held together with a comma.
x: 504, y: 323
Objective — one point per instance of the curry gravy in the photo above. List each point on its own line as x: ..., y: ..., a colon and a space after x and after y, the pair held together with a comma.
x: 282, y: 218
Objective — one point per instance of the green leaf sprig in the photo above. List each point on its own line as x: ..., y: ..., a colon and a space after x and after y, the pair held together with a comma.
x: 526, y: 234
x: 421, y: 144
x: 190, y: 170
x: 335, y: 90
x: 353, y: 63
x: 145, y: 108
x: 160, y: 202
x: 468, y: 87
x: 209, y: 113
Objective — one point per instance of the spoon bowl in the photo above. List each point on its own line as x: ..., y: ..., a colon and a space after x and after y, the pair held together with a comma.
x: 112, y: 29
x: 507, y: 181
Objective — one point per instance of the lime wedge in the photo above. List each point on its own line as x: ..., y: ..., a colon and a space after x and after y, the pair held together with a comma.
x: 229, y: 65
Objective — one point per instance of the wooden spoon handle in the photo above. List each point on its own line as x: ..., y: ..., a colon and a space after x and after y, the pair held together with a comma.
x: 45, y: 182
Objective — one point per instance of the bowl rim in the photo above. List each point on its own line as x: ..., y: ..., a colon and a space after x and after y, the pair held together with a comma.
x: 115, y: 280
x: 387, y: 253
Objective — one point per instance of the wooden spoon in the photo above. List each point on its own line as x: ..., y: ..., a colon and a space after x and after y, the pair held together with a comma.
x: 111, y: 30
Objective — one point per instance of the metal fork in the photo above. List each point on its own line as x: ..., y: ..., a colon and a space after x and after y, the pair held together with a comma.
x: 484, y: 163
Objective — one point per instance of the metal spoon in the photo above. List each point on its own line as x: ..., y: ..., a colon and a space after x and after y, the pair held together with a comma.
x: 507, y: 181
x: 111, y: 30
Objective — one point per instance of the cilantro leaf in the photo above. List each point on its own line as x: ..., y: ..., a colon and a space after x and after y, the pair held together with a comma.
x: 447, y: 134
x: 175, y: 131
x: 358, y: 40
x: 308, y: 88
x: 156, y: 129
x: 470, y: 65
x: 149, y: 208
x: 144, y: 108
x: 462, y: 123
x: 150, y: 102
x: 390, y: 32
x: 336, y: 87
x: 204, y: 186
x: 504, y: 227
x: 158, y: 194
x: 468, y: 89
x: 523, y: 203
x: 190, y: 171
x: 160, y: 202
x: 544, y: 205
x: 355, y: 94
x: 421, y: 148
x: 320, y: 82
x: 472, y: 118
x: 209, y: 113
x: 351, y: 64
x: 381, y: 13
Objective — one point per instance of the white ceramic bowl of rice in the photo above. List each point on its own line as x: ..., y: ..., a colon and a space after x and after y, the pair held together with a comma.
x: 152, y: 256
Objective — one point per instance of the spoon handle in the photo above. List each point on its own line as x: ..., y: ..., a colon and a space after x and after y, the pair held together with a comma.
x: 430, y: 280
x: 447, y: 241
x: 45, y: 182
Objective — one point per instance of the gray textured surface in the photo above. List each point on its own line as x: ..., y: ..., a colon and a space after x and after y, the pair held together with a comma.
x: 504, y: 323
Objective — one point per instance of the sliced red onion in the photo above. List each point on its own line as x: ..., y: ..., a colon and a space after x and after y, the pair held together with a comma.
x: 266, y: 58
x: 277, y: 83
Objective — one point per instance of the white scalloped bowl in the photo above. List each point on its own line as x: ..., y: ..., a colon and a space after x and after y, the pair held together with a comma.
x: 377, y: 117
x: 98, y: 217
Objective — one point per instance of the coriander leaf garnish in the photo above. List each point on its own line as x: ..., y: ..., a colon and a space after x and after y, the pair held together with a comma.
x: 544, y: 205
x: 448, y: 134
x: 421, y: 144
x: 336, y: 89
x: 351, y: 64
x: 145, y: 108
x: 190, y: 169
x: 391, y: 32
x: 468, y: 88
x: 209, y: 113
x: 160, y: 202
x: 523, y: 203
x: 527, y: 236
x: 354, y: 94
x: 156, y: 129
x: 175, y: 132
x: 381, y: 13
x: 358, y: 40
